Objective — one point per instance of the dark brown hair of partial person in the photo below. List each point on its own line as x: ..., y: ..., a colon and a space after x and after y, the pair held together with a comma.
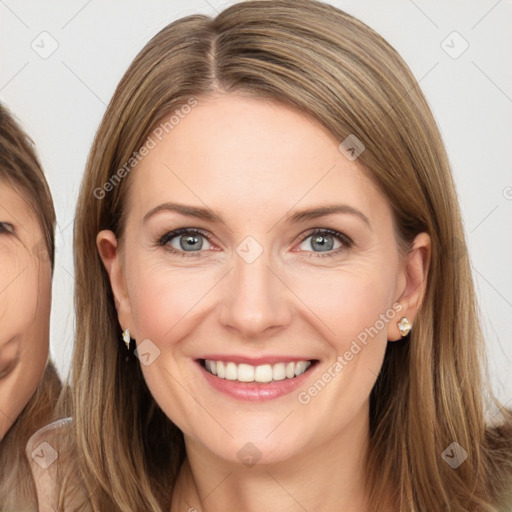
x: 432, y: 388
x: 20, y: 168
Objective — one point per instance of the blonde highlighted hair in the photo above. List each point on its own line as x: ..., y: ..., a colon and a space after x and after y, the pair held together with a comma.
x: 432, y: 389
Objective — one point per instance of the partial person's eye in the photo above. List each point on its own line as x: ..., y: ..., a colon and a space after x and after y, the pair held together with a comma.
x: 188, y: 243
x: 7, y: 365
x: 7, y: 228
x: 323, y: 240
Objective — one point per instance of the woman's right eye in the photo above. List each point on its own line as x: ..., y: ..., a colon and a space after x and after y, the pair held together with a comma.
x: 6, y: 227
x: 184, y: 239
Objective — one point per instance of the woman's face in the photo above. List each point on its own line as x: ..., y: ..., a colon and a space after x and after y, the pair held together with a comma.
x: 259, y: 284
x: 25, y: 287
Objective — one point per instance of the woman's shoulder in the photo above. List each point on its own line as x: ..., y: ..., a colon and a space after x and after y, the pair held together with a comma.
x: 56, y: 427
x: 45, y: 451
x: 43, y: 446
x: 50, y: 454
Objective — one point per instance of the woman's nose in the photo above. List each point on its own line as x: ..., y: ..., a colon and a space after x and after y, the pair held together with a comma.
x: 255, y: 298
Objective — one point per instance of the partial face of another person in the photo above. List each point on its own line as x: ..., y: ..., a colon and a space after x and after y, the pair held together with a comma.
x: 25, y: 288
x: 257, y: 291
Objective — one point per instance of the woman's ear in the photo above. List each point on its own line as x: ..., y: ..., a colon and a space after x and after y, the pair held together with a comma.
x: 110, y: 255
x: 414, y: 274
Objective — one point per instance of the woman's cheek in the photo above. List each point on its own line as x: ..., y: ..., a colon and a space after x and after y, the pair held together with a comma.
x: 341, y: 298
x: 25, y: 305
x: 18, y: 299
x: 10, y: 276
x: 164, y: 300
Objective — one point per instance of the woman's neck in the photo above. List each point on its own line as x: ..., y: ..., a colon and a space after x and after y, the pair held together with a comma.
x: 328, y: 476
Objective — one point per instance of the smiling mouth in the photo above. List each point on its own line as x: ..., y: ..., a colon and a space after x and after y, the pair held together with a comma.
x: 264, y: 373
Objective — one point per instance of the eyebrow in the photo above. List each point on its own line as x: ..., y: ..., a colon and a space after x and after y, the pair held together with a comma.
x: 296, y: 218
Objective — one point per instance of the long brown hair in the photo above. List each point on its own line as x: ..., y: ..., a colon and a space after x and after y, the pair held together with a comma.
x: 430, y: 393
x: 20, y: 168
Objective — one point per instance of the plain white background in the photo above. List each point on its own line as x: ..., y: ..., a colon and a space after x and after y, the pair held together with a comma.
x: 61, y: 61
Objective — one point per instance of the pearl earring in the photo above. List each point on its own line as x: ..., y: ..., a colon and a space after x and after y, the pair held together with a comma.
x: 404, y: 326
x: 126, y: 338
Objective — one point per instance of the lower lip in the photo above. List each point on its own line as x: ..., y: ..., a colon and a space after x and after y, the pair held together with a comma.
x: 255, y: 391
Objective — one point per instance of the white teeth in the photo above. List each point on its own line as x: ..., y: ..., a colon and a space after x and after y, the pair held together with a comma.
x: 278, y: 371
x: 245, y: 373
x: 263, y: 373
x: 301, y: 367
x: 231, y: 371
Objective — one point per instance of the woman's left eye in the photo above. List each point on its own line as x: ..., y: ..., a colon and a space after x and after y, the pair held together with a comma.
x: 189, y: 242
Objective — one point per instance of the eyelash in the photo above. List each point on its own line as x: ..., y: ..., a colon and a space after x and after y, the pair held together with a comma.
x: 167, y: 237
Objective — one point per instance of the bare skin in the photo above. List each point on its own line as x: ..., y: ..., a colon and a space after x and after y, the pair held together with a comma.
x: 25, y: 299
x: 255, y: 164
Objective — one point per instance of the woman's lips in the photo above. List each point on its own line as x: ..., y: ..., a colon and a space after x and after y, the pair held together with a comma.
x: 253, y: 390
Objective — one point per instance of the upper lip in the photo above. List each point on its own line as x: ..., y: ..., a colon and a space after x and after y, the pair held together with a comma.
x: 254, y: 361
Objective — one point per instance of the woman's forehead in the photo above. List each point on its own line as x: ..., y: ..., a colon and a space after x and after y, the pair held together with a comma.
x: 13, y: 205
x: 251, y: 155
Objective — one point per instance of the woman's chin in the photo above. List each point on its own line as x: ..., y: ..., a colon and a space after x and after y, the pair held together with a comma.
x: 251, y: 447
